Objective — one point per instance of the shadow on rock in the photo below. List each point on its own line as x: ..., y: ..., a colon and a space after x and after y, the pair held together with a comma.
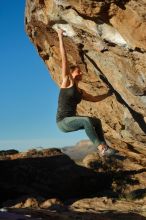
x: 120, y: 179
x: 55, y: 176
x: 58, y: 177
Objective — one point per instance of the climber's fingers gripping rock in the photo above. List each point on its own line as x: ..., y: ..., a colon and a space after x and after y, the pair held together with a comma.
x: 60, y: 31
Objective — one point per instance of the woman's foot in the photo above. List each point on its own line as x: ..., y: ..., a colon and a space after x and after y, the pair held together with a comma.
x: 105, y: 151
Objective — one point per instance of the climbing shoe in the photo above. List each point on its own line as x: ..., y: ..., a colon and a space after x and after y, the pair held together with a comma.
x: 105, y: 151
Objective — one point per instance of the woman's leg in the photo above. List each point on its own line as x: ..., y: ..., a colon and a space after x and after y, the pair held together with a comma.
x: 103, y: 149
x: 98, y: 128
x: 75, y: 123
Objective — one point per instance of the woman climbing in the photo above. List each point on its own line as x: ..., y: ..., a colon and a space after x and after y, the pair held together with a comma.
x: 70, y: 95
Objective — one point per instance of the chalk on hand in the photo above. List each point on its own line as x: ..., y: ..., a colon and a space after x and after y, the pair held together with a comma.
x: 68, y: 30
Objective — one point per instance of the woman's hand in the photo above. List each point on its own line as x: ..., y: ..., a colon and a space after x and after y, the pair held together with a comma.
x: 60, y: 32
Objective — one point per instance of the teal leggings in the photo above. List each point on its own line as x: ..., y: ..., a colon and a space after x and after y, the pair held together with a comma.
x: 92, y: 126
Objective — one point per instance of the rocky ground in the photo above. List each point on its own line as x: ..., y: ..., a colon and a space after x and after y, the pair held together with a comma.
x: 47, y: 184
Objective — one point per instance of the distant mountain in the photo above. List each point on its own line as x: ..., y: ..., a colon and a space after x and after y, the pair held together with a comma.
x: 80, y: 150
x: 8, y: 152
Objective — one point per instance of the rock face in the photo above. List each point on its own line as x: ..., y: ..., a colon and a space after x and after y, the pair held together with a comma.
x: 107, y: 39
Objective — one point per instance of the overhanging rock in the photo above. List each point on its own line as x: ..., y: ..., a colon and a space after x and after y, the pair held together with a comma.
x: 117, y: 27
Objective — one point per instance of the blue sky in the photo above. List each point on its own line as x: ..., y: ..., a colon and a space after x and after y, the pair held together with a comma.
x: 28, y: 95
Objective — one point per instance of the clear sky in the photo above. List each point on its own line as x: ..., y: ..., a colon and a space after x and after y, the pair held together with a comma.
x: 28, y: 95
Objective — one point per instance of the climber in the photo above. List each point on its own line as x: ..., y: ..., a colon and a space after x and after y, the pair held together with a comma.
x: 70, y: 95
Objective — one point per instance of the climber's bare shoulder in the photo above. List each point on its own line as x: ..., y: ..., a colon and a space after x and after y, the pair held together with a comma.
x: 67, y: 81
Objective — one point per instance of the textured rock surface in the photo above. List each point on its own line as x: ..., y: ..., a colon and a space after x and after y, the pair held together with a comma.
x: 118, y: 26
x: 89, y: 210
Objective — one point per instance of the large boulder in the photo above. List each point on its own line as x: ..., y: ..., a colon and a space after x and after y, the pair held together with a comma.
x: 107, y: 39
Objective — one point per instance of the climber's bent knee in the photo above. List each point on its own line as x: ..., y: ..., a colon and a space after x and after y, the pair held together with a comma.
x: 72, y: 123
x: 62, y: 127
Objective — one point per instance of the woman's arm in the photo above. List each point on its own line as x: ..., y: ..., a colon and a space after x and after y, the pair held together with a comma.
x: 98, y: 98
x: 65, y: 66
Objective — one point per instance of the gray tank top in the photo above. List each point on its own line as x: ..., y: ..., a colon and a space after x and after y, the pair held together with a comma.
x: 67, y: 102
